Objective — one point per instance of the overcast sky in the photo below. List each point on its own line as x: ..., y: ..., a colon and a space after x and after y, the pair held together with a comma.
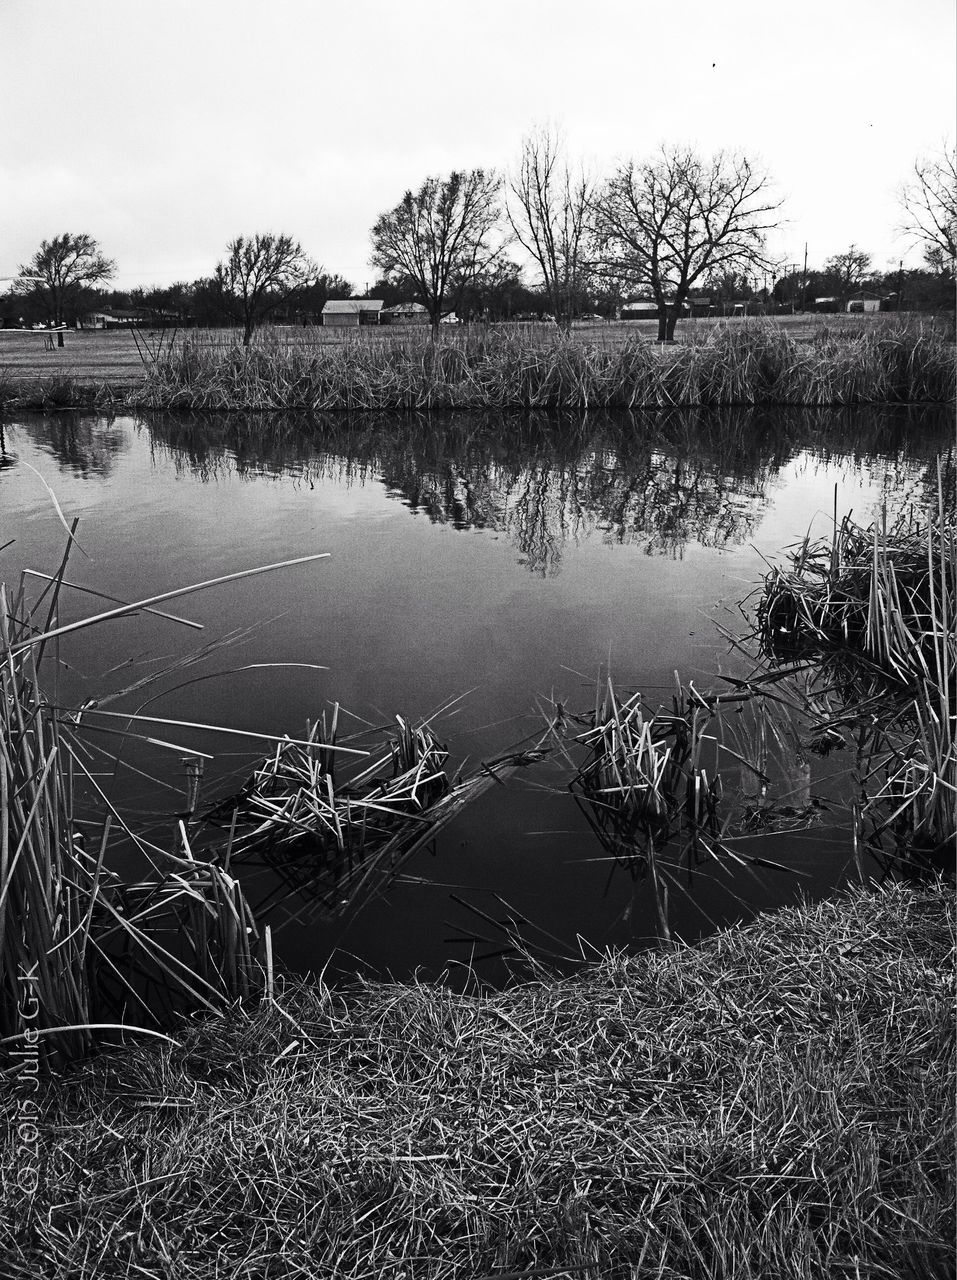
x: 166, y: 127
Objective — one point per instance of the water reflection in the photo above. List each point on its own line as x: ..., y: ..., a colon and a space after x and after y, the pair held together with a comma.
x: 661, y: 482
x: 82, y: 446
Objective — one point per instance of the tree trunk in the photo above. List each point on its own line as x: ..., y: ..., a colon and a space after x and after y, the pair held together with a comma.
x: 673, y: 314
x: 247, y: 331
x: 662, y: 322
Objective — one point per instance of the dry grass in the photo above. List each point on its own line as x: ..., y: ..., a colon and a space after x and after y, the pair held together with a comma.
x: 776, y: 1102
x: 843, y: 361
x: 510, y: 369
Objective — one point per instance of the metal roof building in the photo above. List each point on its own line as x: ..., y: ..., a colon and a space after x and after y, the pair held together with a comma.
x: 351, y: 312
x: 405, y: 313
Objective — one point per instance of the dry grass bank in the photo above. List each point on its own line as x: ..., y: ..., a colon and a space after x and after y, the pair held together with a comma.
x: 759, y: 365
x: 776, y: 1102
x: 99, y: 369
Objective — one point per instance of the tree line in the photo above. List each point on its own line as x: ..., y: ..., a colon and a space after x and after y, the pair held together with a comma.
x: 663, y: 228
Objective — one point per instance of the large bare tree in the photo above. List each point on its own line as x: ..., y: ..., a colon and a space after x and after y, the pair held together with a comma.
x: 60, y: 270
x: 258, y: 275
x: 847, y: 271
x: 664, y: 224
x: 547, y: 206
x: 929, y: 202
x: 440, y: 237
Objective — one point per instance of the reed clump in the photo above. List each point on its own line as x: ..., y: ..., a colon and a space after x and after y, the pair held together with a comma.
x: 58, y: 392
x: 330, y: 834
x: 776, y: 1101
x: 515, y: 369
x: 868, y: 618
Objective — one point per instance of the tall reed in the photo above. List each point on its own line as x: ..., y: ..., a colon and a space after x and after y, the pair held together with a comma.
x: 869, y: 617
x: 82, y: 950
x: 505, y: 368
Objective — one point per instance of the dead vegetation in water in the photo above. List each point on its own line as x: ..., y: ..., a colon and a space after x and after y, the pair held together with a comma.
x: 101, y: 952
x: 867, y: 621
x: 776, y: 1101
x: 336, y: 833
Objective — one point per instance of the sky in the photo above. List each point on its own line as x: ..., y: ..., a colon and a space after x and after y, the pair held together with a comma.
x: 166, y: 129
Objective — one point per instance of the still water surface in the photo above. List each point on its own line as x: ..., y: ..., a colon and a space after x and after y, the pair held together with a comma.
x: 505, y: 563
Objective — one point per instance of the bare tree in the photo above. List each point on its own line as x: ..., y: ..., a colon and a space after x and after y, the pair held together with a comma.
x: 664, y: 224
x: 440, y: 237
x: 847, y: 271
x: 259, y: 275
x: 929, y: 202
x: 547, y: 210
x: 60, y: 270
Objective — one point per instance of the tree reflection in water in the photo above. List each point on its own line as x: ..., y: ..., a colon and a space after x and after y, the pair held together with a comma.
x: 661, y: 481
x: 81, y: 445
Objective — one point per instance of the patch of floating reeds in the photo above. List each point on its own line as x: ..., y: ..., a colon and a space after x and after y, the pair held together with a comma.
x: 515, y: 369
x: 337, y: 832
x: 651, y: 786
x: 328, y: 835
x: 868, y: 619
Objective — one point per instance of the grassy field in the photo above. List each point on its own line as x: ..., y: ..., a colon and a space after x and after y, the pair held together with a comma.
x: 775, y: 1102
x: 112, y: 357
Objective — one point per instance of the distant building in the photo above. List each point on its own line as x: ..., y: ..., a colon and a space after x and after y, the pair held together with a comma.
x: 351, y: 312
x: 827, y: 304
x: 864, y: 302
x: 404, y: 313
x: 647, y: 308
x: 640, y: 309
x: 119, y: 318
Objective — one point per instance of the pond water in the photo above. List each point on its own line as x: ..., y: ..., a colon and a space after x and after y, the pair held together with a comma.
x: 499, y: 565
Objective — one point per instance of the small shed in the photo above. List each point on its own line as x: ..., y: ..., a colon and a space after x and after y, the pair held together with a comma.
x: 826, y: 304
x: 864, y: 302
x: 404, y: 313
x: 351, y: 312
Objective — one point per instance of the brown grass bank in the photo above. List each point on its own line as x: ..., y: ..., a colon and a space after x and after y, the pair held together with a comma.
x: 499, y: 367
x: 775, y: 1102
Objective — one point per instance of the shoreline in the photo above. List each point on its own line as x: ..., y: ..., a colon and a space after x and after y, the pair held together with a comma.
x: 777, y: 1099
x: 498, y: 369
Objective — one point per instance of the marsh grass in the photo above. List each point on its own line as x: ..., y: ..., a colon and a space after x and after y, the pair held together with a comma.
x: 102, y: 953
x: 58, y: 392
x: 512, y: 369
x: 652, y: 789
x: 867, y: 619
x: 776, y: 1101
x: 337, y: 832
x: 331, y: 836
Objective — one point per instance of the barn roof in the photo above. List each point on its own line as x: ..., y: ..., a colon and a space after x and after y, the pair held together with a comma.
x: 350, y: 306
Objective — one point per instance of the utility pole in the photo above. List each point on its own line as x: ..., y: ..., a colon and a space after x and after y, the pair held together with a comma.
x: 900, y: 285
x: 804, y: 281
